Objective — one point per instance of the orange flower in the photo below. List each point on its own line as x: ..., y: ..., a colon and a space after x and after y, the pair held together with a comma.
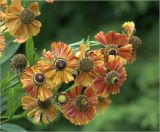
x: 103, y: 104
x: 40, y: 111
x: 59, y: 63
x: 112, y: 77
x: 2, y: 44
x: 80, y: 108
x: 21, y: 22
x: 87, y: 66
x: 115, y: 44
x: 36, y: 83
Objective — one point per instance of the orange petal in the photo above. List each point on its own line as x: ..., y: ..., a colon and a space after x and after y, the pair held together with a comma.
x: 35, y: 9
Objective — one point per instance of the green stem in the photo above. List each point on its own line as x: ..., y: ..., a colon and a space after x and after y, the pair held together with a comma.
x: 15, y: 117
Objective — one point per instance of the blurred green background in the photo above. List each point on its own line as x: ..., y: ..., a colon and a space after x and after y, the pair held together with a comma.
x: 137, y: 105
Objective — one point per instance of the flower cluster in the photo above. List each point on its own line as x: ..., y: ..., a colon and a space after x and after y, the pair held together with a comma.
x: 92, y: 75
x: 95, y: 75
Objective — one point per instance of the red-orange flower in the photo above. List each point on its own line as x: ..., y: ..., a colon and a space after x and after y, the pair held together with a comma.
x: 59, y: 63
x: 40, y: 111
x: 87, y: 65
x: 115, y: 44
x: 80, y: 108
x: 36, y: 83
x: 112, y: 77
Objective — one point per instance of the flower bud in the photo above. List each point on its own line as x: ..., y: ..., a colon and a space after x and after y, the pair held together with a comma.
x: 136, y: 42
x: 129, y: 28
x: 18, y: 63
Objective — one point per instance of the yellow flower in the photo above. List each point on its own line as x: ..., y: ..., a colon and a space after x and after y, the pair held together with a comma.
x: 40, y: 111
x: 129, y: 28
x: 2, y: 44
x: 87, y: 65
x: 59, y: 63
x: 21, y: 22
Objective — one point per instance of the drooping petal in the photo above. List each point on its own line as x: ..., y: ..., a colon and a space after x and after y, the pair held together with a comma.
x: 35, y: 8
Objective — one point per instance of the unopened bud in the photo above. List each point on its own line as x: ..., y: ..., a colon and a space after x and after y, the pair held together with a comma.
x: 136, y: 42
x: 18, y: 63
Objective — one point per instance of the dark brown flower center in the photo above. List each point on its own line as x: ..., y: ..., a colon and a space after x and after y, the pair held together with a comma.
x: 39, y: 79
x: 112, y: 77
x: 86, y: 64
x: 111, y: 49
x: 27, y: 16
x: 44, y: 104
x: 81, y: 102
x: 60, y: 64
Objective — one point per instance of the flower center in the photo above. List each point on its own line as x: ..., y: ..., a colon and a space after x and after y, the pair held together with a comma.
x: 111, y: 49
x: 60, y: 64
x: 86, y: 65
x: 39, y: 79
x: 112, y: 77
x: 81, y: 102
x: 44, y: 104
x: 27, y: 16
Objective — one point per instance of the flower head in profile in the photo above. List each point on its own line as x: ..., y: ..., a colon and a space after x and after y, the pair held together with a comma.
x: 87, y: 65
x: 81, y: 106
x: 2, y: 44
x: 129, y: 28
x: 20, y: 21
x: 59, y: 63
x: 36, y: 83
x: 103, y: 104
x: 115, y: 44
x: 112, y: 77
x: 40, y: 111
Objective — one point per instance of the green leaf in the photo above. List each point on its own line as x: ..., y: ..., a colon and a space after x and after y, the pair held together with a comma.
x: 11, y: 48
x: 30, y: 50
x: 11, y: 103
x: 14, y: 99
x: 8, y: 127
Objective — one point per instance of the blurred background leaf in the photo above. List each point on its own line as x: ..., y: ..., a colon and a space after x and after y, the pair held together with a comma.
x: 11, y: 127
